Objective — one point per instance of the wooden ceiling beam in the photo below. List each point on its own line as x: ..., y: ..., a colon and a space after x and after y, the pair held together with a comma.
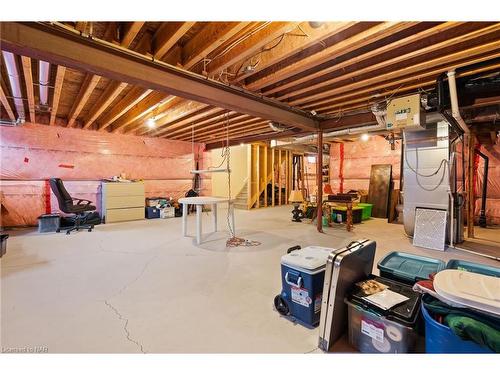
x: 188, y: 120
x: 183, y: 115
x: 131, y: 31
x: 89, y: 83
x: 111, y: 32
x: 399, y: 59
x: 414, y: 38
x: 28, y: 79
x: 110, y: 93
x: 133, y: 97
x: 144, y: 46
x: 57, y: 45
x: 81, y: 26
x: 368, y: 99
x: 58, y: 85
x: 176, y: 109
x: 250, y: 45
x: 450, y: 61
x: 168, y: 35
x: 256, y: 129
x: 352, y: 43
x: 423, y: 79
x: 221, y: 122
x: 302, y: 38
x: 210, y: 123
x: 421, y: 84
x: 156, y: 113
x: 210, y: 145
x: 212, y: 36
x: 348, y: 121
x: 221, y: 128
x: 237, y: 134
x: 6, y: 104
x: 140, y: 109
x: 210, y: 117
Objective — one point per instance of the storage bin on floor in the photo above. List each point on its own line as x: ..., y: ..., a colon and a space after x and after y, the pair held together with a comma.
x: 441, y: 339
x: 373, y: 330
x: 463, y: 265
x: 367, y: 210
x: 152, y: 213
x: 356, y: 214
x: 3, y: 244
x: 302, y: 276
x: 408, y: 268
x: 48, y: 223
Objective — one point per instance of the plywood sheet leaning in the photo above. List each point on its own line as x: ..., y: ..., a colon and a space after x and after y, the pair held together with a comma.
x: 378, y: 194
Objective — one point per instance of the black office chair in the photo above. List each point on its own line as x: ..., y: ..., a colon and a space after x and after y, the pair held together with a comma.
x: 81, y: 211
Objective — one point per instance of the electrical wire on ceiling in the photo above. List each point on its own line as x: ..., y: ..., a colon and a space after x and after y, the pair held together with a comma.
x: 281, y: 38
x: 206, y: 61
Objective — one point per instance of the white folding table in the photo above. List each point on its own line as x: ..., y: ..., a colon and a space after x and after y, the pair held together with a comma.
x: 199, y: 202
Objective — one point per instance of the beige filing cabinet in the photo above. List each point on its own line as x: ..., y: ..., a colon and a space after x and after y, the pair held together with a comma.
x: 122, y: 201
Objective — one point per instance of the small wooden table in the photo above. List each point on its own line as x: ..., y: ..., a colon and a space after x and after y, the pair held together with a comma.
x: 328, y: 208
x: 199, y: 202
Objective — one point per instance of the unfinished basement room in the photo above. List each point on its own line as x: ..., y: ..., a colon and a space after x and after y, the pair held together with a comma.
x: 250, y: 187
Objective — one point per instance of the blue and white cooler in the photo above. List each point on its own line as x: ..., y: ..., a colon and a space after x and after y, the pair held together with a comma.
x: 302, y: 276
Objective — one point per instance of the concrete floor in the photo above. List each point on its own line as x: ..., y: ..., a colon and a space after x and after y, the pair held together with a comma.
x: 141, y: 286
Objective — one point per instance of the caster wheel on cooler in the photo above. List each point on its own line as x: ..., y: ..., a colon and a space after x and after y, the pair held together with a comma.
x: 281, y: 305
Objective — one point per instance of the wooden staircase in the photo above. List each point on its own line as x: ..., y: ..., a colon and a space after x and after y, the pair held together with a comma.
x: 241, y: 200
x: 265, y: 166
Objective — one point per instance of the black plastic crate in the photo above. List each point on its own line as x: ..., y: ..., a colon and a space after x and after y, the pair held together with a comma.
x: 3, y: 244
x: 48, y: 223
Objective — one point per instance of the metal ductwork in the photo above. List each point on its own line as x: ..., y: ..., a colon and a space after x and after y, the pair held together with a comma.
x: 353, y: 131
x: 336, y: 133
x: 379, y: 110
x: 277, y: 127
x: 44, y: 70
x: 455, y: 110
x: 15, y: 83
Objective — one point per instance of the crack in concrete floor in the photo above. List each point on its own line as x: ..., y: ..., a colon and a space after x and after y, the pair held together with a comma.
x: 117, y: 312
x: 127, y: 332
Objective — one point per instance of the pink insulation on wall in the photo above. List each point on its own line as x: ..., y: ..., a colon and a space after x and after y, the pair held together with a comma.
x: 359, y: 156
x: 32, y: 153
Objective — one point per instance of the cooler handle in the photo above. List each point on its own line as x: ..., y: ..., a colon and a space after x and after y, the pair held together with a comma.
x: 298, y: 284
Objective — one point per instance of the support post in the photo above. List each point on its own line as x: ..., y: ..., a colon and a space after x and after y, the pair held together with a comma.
x: 266, y: 174
x: 470, y: 179
x: 257, y: 166
x: 287, y: 175
x: 279, y: 177
x: 273, y: 171
x: 319, y: 182
x: 249, y: 176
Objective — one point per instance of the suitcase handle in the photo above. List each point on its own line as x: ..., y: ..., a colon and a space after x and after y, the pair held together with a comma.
x: 298, y: 284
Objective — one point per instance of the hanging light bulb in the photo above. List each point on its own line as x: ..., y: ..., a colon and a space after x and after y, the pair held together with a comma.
x: 365, y: 137
x: 151, y: 123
